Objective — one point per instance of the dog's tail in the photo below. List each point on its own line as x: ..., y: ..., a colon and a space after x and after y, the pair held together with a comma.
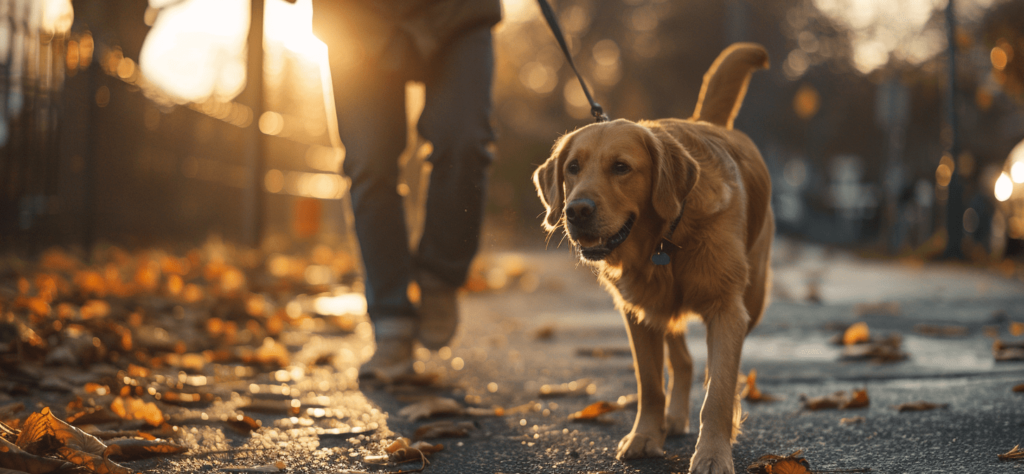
x: 726, y: 81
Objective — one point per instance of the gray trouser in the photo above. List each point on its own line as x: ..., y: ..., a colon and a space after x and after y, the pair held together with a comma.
x: 456, y: 120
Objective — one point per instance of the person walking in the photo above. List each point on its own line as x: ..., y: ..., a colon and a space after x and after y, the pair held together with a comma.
x: 375, y: 47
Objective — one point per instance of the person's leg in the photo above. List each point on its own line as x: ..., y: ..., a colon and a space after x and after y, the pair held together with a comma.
x: 371, y: 122
x: 456, y: 120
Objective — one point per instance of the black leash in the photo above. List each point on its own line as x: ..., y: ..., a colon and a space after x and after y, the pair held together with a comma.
x: 549, y: 15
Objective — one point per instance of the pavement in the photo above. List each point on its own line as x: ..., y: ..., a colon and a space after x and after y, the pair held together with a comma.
x: 540, y: 318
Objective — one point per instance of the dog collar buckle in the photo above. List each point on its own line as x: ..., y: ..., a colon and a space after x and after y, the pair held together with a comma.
x: 661, y: 256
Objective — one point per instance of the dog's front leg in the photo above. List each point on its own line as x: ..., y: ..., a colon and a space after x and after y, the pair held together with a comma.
x: 648, y: 434
x: 681, y: 377
x: 727, y: 326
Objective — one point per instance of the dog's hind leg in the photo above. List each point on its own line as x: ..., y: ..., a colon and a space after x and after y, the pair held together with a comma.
x: 727, y: 327
x: 677, y: 416
x: 648, y: 434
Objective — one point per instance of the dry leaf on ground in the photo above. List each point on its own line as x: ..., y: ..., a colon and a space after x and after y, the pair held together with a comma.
x: 1007, y: 351
x: 859, y: 399
x: 402, y: 450
x: 242, y: 424
x: 1014, y: 454
x: 1019, y: 388
x: 43, y: 432
x: 95, y: 463
x: 883, y: 350
x: 414, y: 450
x: 839, y: 400
x: 544, y: 333
x: 14, y: 458
x: 772, y: 464
x: 94, y: 416
x: 133, y: 449
x: 919, y: 406
x: 854, y: 420
x: 750, y: 391
x: 595, y: 410
x: 857, y: 333
x: 435, y: 406
x: 131, y: 408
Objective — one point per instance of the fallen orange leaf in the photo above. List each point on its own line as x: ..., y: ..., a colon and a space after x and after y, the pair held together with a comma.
x: 130, y: 408
x: 595, y: 410
x: 773, y: 464
x: 753, y: 394
x: 858, y: 399
x: 856, y: 334
x: 919, y: 406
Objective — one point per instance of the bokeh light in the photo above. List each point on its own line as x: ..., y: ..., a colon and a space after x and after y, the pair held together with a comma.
x: 944, y: 172
x: 1004, y: 187
x: 196, y: 49
x: 883, y: 28
x: 1017, y: 172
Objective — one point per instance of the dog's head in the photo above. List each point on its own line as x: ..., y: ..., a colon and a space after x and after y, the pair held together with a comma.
x: 603, y: 178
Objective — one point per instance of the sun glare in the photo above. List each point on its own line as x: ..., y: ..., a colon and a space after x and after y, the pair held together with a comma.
x: 196, y: 48
x: 291, y: 24
x: 57, y: 15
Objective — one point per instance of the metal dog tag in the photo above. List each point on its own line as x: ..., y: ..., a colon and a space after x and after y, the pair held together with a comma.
x: 661, y: 258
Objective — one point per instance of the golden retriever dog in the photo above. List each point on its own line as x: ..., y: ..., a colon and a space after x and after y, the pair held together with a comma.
x: 675, y: 217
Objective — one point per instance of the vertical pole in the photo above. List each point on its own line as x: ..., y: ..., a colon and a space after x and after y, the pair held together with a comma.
x: 253, y: 204
x: 954, y: 199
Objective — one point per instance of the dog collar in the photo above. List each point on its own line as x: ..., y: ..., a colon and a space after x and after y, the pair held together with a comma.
x: 661, y: 255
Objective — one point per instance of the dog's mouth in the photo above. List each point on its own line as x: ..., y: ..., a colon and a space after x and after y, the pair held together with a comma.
x: 602, y: 247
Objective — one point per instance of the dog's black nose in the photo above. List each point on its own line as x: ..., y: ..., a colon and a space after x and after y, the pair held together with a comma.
x: 579, y: 211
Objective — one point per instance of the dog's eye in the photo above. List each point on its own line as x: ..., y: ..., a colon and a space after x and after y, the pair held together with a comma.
x: 621, y: 168
x: 573, y: 168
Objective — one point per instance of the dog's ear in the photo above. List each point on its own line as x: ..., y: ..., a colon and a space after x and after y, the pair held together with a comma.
x: 675, y: 173
x: 548, y: 179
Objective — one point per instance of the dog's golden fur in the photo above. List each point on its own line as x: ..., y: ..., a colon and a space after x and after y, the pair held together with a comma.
x: 639, y: 177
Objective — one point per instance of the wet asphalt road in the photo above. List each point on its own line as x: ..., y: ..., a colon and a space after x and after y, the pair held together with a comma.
x: 543, y: 329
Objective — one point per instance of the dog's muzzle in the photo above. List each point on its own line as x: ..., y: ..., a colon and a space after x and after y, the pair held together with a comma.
x: 599, y: 252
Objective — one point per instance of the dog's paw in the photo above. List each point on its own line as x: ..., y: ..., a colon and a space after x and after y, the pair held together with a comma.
x: 677, y: 426
x: 640, y: 445
x: 712, y: 461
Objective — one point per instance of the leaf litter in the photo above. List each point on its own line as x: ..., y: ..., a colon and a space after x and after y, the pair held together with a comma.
x: 858, y: 344
x: 790, y: 464
x: 1015, y: 454
x: 1007, y: 351
x: 839, y: 400
x: 750, y: 392
x: 919, y: 406
x: 138, y: 342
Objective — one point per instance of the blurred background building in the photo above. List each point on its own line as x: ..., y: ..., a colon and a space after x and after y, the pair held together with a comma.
x: 158, y: 122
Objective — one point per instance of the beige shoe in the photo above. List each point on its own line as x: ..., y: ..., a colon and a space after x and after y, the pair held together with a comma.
x: 439, y: 311
x: 394, y: 354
